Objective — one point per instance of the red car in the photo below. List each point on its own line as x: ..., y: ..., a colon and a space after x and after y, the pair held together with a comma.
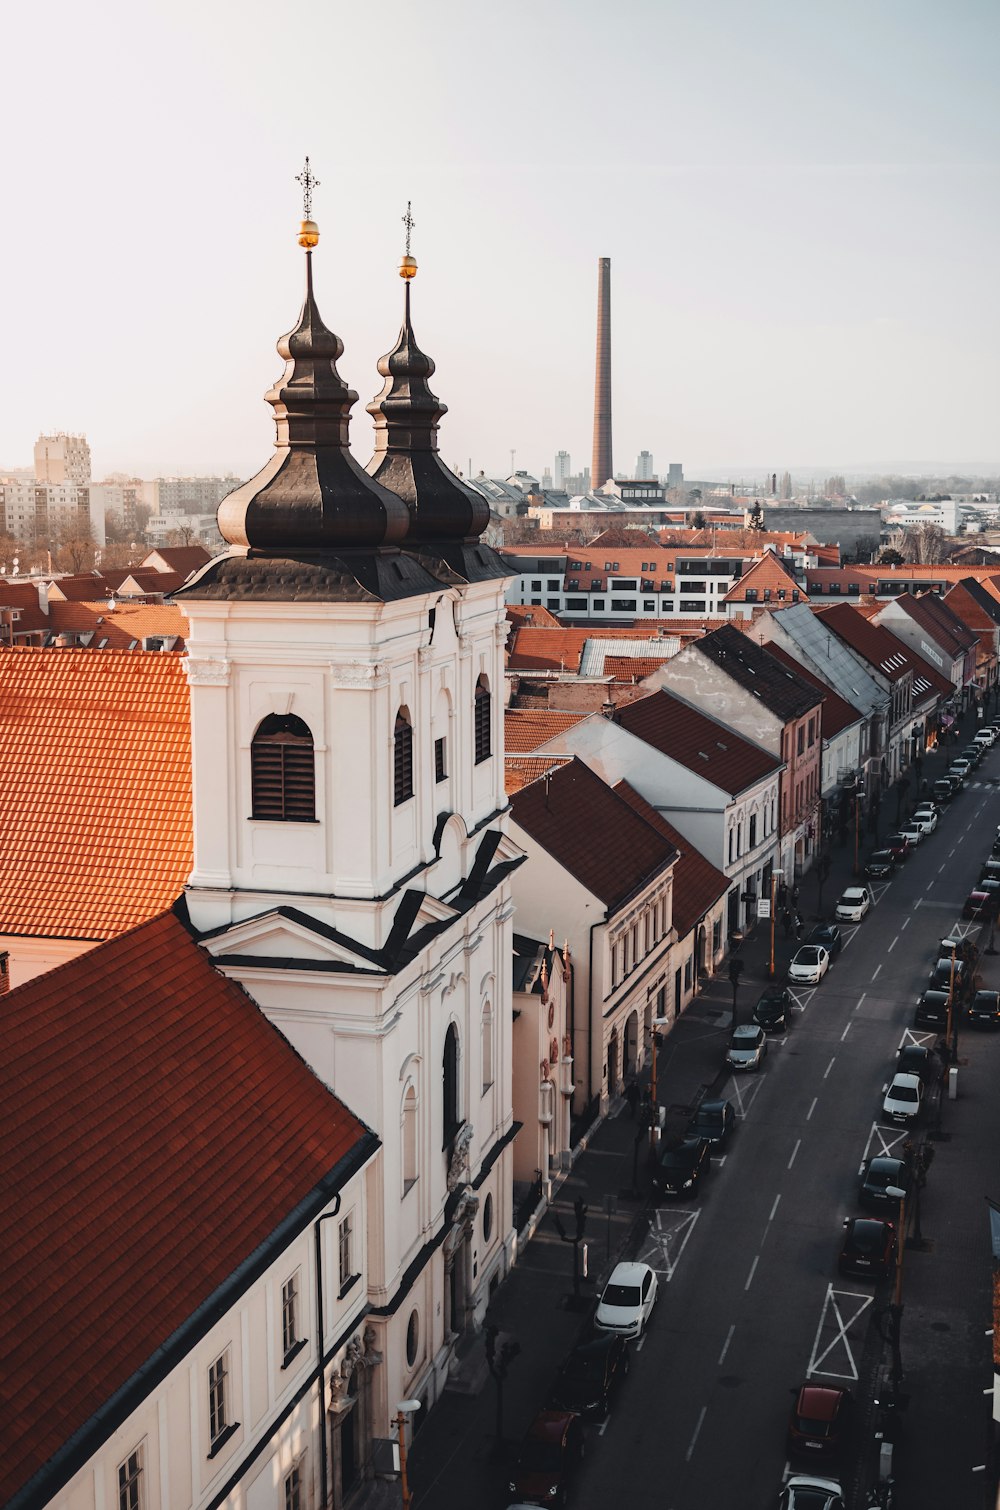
x: 898, y: 846
x: 818, y: 1423
x: 547, y: 1459
x: 983, y: 900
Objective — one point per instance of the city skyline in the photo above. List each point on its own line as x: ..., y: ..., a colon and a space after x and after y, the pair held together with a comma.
x: 800, y: 219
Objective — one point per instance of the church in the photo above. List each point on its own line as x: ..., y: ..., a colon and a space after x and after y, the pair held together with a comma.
x: 261, y: 1146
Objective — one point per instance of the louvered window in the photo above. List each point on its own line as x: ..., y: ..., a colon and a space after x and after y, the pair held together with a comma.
x: 482, y: 718
x: 402, y: 758
x: 282, y: 768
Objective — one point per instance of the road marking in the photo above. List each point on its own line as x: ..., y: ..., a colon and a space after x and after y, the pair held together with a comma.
x: 893, y: 944
x: 878, y: 969
x: 857, y: 1005
x: 725, y: 1345
x: 704, y: 1413
x: 753, y: 1271
x: 951, y: 852
x: 641, y: 1343
x: 835, y: 1305
x: 929, y: 885
x: 794, y: 1152
x: 904, y: 924
x: 667, y: 1239
x: 604, y: 1425
x: 830, y: 1066
x: 845, y: 1032
x: 887, y: 1139
x: 941, y: 867
x: 774, y: 1208
x: 812, y: 1108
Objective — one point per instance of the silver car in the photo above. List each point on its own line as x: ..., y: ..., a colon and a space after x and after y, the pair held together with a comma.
x: 747, y: 1048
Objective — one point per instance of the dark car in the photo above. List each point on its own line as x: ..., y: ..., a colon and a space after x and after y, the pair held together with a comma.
x: 547, y: 1459
x: 962, y: 948
x: 915, y: 1059
x: 591, y: 1374
x: 819, y: 1421
x: 950, y: 973
x: 713, y: 1122
x: 869, y: 1246
x: 973, y: 754
x: 990, y: 871
x: 881, y: 865
x: 829, y: 937
x: 996, y: 846
x: 899, y: 847
x: 942, y: 790
x: 682, y: 1167
x: 932, y: 1009
x: 984, y: 1009
x: 773, y: 1011
x: 880, y: 1175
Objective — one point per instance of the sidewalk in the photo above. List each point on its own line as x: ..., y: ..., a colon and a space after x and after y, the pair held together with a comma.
x: 453, y: 1463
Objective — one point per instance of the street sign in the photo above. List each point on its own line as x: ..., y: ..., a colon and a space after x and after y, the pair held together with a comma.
x: 764, y: 907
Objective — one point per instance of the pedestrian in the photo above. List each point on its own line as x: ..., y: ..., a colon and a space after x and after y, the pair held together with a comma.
x: 786, y: 923
x: 799, y: 925
x: 795, y: 896
x: 632, y: 1098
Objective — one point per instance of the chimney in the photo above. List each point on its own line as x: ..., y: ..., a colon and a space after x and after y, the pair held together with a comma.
x: 601, y: 466
x: 4, y: 972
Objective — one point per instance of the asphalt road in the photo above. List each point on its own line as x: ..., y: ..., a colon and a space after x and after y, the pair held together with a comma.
x: 750, y: 1302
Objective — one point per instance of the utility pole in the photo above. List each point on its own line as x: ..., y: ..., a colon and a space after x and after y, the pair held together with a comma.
x: 770, y: 966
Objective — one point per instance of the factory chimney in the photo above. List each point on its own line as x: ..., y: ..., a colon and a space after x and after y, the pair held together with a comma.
x: 601, y: 467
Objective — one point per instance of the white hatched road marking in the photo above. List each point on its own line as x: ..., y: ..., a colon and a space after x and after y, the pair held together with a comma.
x: 802, y: 996
x: 887, y: 1140
x: 921, y: 1040
x: 837, y: 1305
x: 667, y: 1239
x: 733, y: 1091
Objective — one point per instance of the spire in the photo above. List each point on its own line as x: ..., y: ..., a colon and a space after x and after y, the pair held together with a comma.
x: 312, y: 495
x: 407, y: 414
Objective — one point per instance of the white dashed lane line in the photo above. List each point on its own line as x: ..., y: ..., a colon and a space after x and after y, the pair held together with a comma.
x: 811, y: 1109
x: 830, y: 1066
x: 690, y: 1452
x: 893, y: 944
x: 725, y: 1345
x: 845, y: 1032
x: 795, y: 1150
x: 878, y: 969
x: 904, y: 924
x: 753, y: 1271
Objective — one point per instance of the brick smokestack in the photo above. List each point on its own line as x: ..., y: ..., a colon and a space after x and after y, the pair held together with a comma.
x: 601, y: 465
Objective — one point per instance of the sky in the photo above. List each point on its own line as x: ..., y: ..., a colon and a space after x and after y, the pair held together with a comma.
x: 800, y: 201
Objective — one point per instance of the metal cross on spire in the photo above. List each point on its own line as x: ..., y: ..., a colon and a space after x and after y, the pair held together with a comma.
x: 309, y: 181
x: 409, y: 222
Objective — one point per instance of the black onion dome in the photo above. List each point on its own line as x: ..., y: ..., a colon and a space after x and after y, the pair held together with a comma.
x: 406, y: 459
x: 312, y: 495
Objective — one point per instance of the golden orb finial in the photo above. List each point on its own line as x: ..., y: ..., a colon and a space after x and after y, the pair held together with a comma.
x: 308, y: 230
x: 308, y: 234
x: 408, y: 264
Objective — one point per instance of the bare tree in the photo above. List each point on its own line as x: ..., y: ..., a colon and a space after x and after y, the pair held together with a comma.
x: 75, y: 555
x: 927, y: 544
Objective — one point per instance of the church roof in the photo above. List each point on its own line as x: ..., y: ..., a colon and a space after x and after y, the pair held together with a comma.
x: 158, y: 1134
x: 102, y: 742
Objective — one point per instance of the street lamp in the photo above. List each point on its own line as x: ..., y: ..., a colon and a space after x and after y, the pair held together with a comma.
x: 895, y: 1193
x: 658, y: 1022
x: 403, y: 1409
x: 774, y: 885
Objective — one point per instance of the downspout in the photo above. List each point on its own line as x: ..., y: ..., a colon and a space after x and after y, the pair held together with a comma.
x: 590, y: 1014
x: 324, y: 1469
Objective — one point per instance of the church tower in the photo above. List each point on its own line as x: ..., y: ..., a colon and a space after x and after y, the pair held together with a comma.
x: 351, y: 859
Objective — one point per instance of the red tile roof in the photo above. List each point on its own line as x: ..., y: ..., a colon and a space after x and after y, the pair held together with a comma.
x: 749, y: 664
x: 156, y: 1130
x: 632, y: 668
x: 23, y: 596
x: 177, y: 558
x: 121, y: 626
x: 556, y: 649
x: 878, y: 646
x: 524, y: 729
x: 522, y: 770
x: 837, y: 714
x: 592, y: 833
x: 95, y: 790
x: 81, y: 587
x: 710, y: 749
x: 768, y: 576
x: 522, y: 613
x: 697, y: 883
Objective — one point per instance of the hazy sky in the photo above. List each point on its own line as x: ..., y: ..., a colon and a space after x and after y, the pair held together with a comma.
x: 800, y: 200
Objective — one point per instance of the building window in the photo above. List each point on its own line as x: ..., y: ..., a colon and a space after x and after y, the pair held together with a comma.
x: 282, y: 770
x: 440, y: 760
x: 623, y: 605
x: 687, y: 973
x: 483, y: 714
x: 598, y: 603
x: 130, y: 1496
x: 345, y: 1252
x: 409, y: 1138
x: 220, y: 1428
x: 402, y: 758
x: 293, y: 1489
x: 487, y: 1036
x: 753, y: 830
x: 800, y: 740
x: 487, y: 1218
x: 716, y: 936
x: 450, y: 1071
x: 412, y: 1338
x: 291, y: 1343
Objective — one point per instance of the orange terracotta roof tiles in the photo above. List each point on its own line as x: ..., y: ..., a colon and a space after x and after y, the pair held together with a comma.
x: 556, y: 649
x: 632, y: 668
x: 122, y: 625
x: 522, y: 770
x: 80, y: 587
x: 524, y: 729
x: 700, y: 743
x: 157, y: 1130
x: 102, y: 743
x: 176, y: 558
x: 770, y: 578
x: 697, y: 883
x: 523, y: 613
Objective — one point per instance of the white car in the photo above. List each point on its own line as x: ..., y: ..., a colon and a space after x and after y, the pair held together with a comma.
x: 912, y: 832
x: 804, y: 1492
x: 853, y: 905
x: 628, y: 1300
x: 903, y: 1099
x: 984, y: 736
x: 926, y: 818
x: 809, y: 965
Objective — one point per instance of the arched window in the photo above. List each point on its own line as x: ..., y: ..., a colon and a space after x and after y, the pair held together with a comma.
x: 487, y: 1032
x: 282, y: 770
x: 402, y: 758
x: 409, y: 1138
x: 482, y: 720
x: 450, y: 1067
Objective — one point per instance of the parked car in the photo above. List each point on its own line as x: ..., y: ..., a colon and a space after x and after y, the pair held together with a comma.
x: 915, y: 1059
x: 942, y: 790
x: 903, y: 1099
x: 880, y: 1175
x: 591, y: 1375
x: 990, y: 870
x: 773, y: 1011
x: 853, y: 904
x: 819, y: 1420
x: 829, y: 937
x: 627, y: 1301
x: 682, y: 1166
x: 951, y: 973
x: 959, y: 771
x: 927, y: 809
x: 963, y: 948
x: 804, y: 1491
x: 899, y: 847
x: 747, y: 1048
x: 983, y: 900
x: 548, y: 1458
x: 984, y: 1009
x: 954, y: 780
x: 986, y: 735
x: 869, y: 1246
x: 808, y: 965
x: 912, y: 833
x: 926, y: 822
x: 714, y: 1122
x: 973, y: 754
x: 932, y: 1009
x: 881, y: 865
